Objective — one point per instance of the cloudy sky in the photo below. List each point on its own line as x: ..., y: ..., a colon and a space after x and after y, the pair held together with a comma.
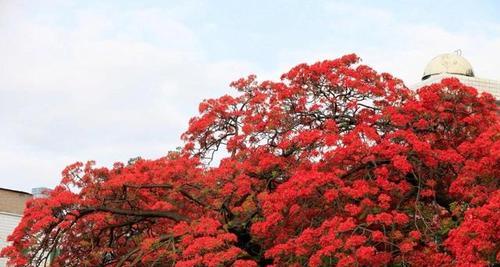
x: 112, y: 80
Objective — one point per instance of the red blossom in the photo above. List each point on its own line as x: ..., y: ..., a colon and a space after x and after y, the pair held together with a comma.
x: 333, y: 164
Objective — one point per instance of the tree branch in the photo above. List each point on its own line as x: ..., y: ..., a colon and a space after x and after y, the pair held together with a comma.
x: 142, y: 213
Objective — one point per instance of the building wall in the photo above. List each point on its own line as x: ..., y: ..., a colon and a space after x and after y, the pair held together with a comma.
x: 8, y: 222
x: 13, y: 201
x: 12, y: 204
x: 482, y: 85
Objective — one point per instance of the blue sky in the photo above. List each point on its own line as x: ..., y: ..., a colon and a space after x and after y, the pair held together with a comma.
x: 111, y: 80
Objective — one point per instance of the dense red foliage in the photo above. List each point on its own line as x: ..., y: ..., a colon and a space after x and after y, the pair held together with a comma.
x: 334, y: 164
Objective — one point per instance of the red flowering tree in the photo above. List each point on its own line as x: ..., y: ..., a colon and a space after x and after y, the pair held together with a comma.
x: 334, y: 164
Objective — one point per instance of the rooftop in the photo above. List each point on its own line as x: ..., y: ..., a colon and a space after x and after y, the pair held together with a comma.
x: 451, y: 63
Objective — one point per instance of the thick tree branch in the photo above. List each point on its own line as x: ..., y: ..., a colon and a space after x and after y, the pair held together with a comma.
x: 142, y: 213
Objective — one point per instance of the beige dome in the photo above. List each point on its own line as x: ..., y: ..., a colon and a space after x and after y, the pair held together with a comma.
x: 452, y: 63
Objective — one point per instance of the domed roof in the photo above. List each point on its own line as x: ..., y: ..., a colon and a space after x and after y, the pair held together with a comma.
x: 452, y: 63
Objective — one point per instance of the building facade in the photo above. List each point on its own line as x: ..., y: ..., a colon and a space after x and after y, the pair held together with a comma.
x: 12, y: 204
x: 454, y: 65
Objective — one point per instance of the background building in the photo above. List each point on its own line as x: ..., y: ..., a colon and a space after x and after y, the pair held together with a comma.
x: 454, y: 65
x: 11, y: 210
x: 12, y: 203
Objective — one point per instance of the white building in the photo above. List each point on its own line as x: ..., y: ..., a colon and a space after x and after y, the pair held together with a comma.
x: 454, y: 65
x: 12, y: 203
x: 11, y: 209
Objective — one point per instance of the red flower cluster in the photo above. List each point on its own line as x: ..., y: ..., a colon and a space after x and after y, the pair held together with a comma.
x: 335, y: 164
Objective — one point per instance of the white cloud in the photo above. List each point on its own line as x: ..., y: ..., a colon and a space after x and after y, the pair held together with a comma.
x: 390, y: 44
x: 110, y: 87
x: 105, y: 83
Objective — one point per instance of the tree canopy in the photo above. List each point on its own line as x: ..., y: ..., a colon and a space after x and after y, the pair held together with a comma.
x: 333, y: 164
